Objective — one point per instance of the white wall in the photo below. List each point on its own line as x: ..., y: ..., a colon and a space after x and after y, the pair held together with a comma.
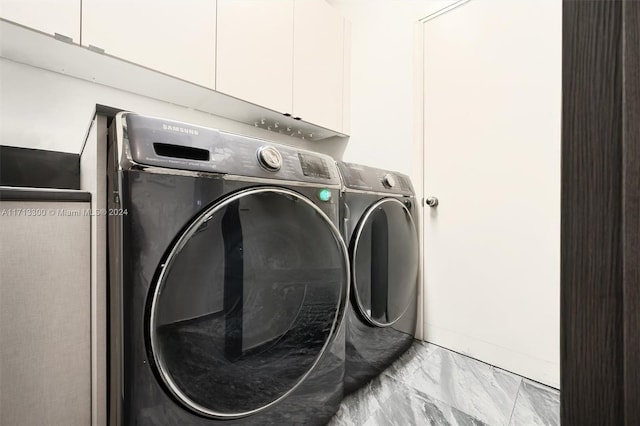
x: 382, y: 80
x: 492, y: 125
x: 48, y: 110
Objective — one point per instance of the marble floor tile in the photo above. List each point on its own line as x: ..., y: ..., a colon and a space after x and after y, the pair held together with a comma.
x: 536, y: 405
x: 387, y: 402
x: 473, y: 387
x: 430, y: 385
x: 406, y: 366
x: 357, y: 407
x: 406, y: 406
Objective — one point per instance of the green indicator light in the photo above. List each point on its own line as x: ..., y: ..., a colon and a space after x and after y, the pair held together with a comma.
x: 324, y: 194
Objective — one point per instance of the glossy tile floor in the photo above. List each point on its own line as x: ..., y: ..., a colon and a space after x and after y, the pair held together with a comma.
x: 430, y: 385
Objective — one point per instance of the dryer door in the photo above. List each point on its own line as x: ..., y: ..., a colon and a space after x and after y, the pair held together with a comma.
x: 247, y: 301
x: 385, y: 260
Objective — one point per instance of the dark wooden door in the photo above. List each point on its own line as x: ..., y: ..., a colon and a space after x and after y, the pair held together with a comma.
x: 600, y: 273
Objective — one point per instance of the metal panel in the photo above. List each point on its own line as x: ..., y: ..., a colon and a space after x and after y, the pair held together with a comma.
x: 44, y: 314
x: 93, y: 161
x: 39, y: 168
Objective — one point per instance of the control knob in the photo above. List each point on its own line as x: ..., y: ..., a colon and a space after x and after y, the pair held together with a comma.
x: 269, y: 158
x: 389, y: 181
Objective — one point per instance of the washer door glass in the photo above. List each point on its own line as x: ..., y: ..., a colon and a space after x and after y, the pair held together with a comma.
x: 385, y: 259
x: 247, y: 301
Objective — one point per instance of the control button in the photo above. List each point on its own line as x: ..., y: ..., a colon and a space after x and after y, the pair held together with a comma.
x: 324, y: 194
x: 269, y: 158
x: 389, y: 181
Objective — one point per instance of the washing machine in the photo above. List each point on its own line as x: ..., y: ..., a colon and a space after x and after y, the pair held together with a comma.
x: 228, y: 278
x: 378, y: 220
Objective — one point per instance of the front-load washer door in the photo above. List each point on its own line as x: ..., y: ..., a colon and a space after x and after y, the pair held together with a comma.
x: 385, y: 260
x: 246, y: 302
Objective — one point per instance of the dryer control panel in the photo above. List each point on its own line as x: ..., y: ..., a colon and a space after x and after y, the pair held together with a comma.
x: 365, y: 178
x: 163, y: 143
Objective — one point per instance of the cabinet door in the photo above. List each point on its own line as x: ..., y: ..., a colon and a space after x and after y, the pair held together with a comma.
x: 318, y: 64
x: 176, y: 38
x: 255, y: 49
x: 45, y: 313
x: 49, y: 16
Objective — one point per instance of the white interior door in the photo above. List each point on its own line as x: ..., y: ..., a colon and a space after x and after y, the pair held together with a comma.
x: 492, y: 112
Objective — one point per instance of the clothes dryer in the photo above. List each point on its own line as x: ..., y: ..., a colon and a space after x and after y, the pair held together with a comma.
x: 378, y: 220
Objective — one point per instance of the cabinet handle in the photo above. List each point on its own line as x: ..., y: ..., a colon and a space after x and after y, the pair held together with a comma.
x: 62, y: 37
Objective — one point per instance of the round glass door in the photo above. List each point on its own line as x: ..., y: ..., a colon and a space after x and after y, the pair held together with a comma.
x: 385, y: 259
x: 247, y: 301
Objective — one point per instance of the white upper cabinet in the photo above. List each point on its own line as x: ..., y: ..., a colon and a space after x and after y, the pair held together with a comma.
x: 255, y: 48
x: 290, y: 56
x: 174, y: 37
x: 318, y: 64
x: 286, y: 55
x: 49, y: 16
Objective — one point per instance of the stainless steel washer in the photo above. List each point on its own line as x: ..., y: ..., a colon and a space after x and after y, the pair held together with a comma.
x: 228, y: 278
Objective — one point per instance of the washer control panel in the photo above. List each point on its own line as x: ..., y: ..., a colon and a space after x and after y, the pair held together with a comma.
x: 365, y: 178
x: 163, y: 143
x: 315, y: 166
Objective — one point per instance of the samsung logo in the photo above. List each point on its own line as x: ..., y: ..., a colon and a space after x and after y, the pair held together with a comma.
x: 179, y: 129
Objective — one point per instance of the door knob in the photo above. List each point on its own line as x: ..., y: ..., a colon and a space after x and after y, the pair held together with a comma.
x: 432, y: 202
